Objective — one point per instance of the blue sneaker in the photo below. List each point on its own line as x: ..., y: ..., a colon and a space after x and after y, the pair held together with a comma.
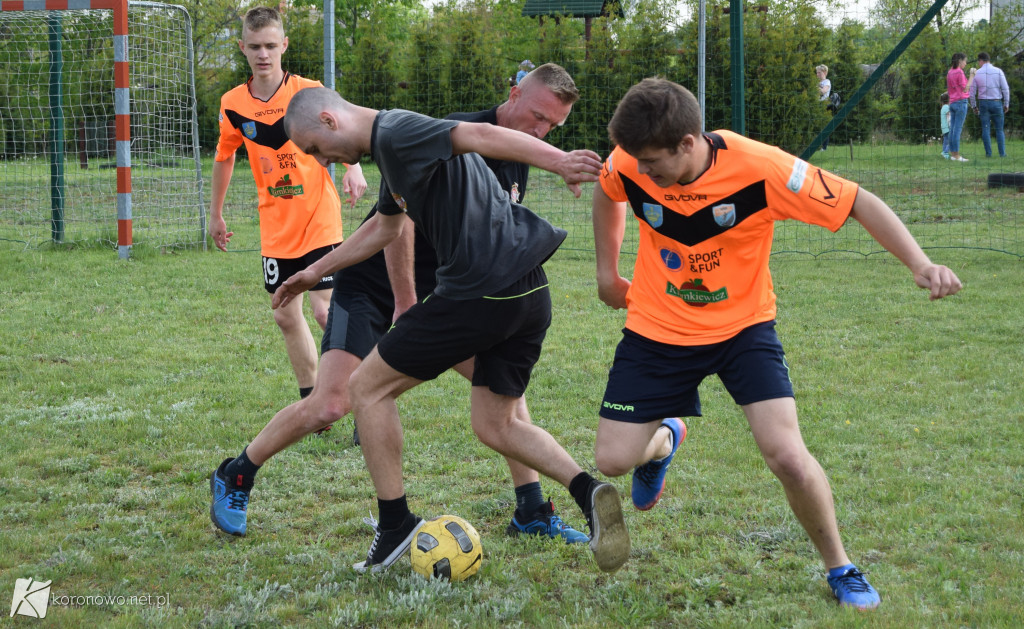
x: 227, y: 509
x: 649, y: 478
x: 545, y: 522
x: 852, y: 589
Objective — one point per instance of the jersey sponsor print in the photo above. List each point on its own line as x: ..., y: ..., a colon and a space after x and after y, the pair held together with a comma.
x: 701, y: 271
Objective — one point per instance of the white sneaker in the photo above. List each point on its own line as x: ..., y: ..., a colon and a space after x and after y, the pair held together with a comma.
x: 960, y: 159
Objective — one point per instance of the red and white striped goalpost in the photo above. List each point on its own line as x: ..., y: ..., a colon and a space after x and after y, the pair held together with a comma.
x: 122, y: 112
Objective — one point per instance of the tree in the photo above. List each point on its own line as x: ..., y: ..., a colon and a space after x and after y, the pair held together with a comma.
x: 847, y: 76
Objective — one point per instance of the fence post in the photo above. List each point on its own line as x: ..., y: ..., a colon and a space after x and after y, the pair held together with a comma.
x: 739, y: 113
x: 55, y: 29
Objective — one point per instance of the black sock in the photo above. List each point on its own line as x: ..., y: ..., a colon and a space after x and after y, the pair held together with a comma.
x: 529, y: 499
x: 305, y: 391
x: 392, y: 513
x: 241, y: 472
x: 580, y: 487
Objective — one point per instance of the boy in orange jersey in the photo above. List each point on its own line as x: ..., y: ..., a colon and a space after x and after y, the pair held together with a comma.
x: 701, y: 300
x: 299, y: 207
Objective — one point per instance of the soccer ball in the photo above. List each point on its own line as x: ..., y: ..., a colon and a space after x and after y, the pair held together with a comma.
x: 447, y: 547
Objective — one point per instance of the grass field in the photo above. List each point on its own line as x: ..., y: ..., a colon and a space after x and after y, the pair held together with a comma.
x: 122, y: 384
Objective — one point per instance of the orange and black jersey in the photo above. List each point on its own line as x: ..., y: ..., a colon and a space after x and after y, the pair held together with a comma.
x: 701, y: 271
x: 299, y: 207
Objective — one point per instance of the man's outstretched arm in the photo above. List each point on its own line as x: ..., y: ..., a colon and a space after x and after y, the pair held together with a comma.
x: 574, y: 167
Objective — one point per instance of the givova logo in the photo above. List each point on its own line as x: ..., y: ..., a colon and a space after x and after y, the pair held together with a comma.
x: 618, y: 407
x: 30, y: 598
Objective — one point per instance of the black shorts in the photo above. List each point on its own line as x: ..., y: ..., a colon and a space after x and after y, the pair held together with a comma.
x: 504, y: 331
x: 355, y: 322
x: 649, y: 380
x: 277, y: 270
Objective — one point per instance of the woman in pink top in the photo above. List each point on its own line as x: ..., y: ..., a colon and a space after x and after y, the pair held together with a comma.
x: 957, y: 85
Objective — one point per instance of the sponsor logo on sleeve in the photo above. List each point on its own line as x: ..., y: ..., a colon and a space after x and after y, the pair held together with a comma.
x: 826, y: 188
x: 796, y: 178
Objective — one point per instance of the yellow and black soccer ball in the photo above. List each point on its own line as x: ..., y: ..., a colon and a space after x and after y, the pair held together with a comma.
x: 447, y: 547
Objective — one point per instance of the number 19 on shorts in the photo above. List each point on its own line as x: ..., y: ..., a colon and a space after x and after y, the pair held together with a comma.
x: 271, y: 271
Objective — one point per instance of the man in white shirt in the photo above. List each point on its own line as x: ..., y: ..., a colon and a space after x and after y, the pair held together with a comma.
x: 990, y: 99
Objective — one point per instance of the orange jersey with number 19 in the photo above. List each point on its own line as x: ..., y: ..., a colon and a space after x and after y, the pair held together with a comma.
x: 701, y: 273
x: 299, y: 207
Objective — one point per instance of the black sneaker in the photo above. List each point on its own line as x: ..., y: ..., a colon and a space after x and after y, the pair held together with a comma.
x: 609, y: 539
x: 355, y: 434
x: 388, y: 546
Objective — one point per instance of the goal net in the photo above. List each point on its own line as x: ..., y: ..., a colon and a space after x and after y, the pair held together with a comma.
x: 73, y: 170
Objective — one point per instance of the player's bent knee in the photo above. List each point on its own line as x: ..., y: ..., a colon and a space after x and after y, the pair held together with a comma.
x: 321, y: 317
x: 334, y: 410
x: 611, y: 463
x: 285, y: 320
x: 490, y: 434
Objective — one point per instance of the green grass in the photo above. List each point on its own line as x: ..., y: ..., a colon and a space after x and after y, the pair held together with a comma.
x: 122, y: 384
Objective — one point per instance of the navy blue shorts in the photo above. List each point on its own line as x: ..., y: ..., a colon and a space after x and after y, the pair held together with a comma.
x: 649, y: 380
x: 504, y: 331
x: 277, y: 270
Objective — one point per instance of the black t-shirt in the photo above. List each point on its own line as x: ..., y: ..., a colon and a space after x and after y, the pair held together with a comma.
x: 483, y: 241
x: 370, y: 276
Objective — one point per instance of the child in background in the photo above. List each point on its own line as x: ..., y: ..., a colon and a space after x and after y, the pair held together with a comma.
x: 944, y: 121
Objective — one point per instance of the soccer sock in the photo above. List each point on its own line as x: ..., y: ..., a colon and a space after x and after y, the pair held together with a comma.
x: 392, y: 513
x: 529, y: 499
x: 305, y: 391
x: 579, y: 487
x: 671, y: 443
x: 241, y: 471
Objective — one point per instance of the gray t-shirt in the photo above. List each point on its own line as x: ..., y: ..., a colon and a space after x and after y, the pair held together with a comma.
x: 484, y: 242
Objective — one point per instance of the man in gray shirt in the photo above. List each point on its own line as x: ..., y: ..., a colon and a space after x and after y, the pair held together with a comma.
x: 491, y: 299
x: 990, y: 99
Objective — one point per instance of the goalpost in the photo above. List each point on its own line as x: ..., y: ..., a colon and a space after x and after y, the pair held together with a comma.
x: 98, y: 135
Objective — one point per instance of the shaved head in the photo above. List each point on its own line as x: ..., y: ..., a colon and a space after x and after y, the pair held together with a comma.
x: 304, y: 109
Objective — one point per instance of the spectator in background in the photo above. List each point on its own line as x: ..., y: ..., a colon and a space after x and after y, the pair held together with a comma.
x: 824, y: 91
x: 957, y: 84
x: 990, y: 99
x: 524, y: 69
x: 944, y: 123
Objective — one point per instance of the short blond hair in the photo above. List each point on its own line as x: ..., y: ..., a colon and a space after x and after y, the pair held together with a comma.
x: 259, y: 18
x: 821, y: 68
x: 557, y: 79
